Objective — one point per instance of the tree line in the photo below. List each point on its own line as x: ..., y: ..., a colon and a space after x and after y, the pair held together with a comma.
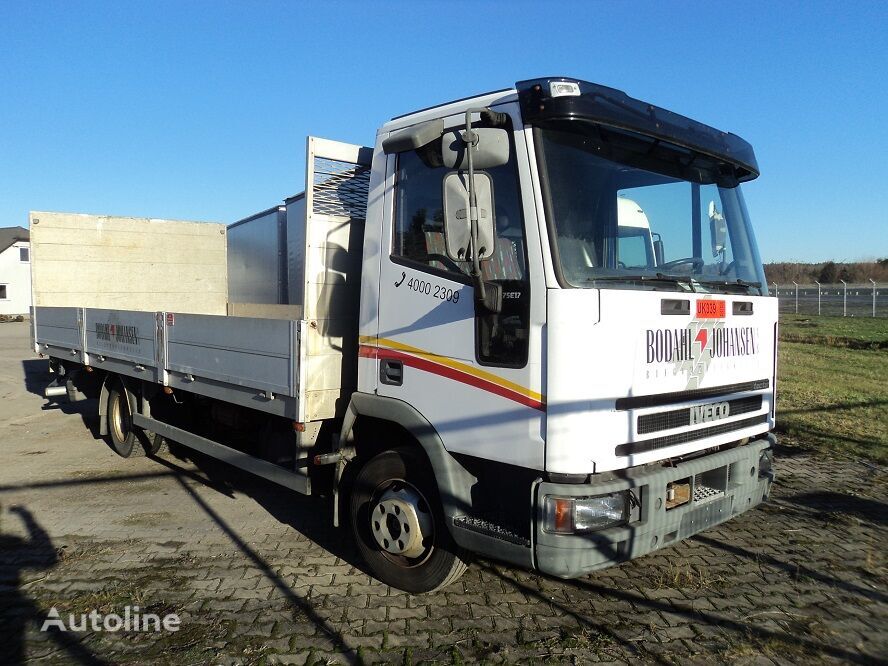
x: 829, y: 272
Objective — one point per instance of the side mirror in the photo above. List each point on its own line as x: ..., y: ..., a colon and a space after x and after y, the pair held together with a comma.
x: 718, y: 230
x: 490, y: 150
x: 413, y: 137
x: 457, y: 227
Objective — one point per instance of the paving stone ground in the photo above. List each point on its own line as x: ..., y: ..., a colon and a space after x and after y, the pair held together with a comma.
x: 258, y: 575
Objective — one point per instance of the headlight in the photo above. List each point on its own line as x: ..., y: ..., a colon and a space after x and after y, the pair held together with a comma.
x: 572, y: 515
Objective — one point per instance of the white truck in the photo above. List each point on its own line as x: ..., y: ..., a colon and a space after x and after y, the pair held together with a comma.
x: 455, y: 334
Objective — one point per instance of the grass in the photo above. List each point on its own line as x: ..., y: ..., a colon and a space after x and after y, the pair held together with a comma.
x: 832, y: 385
x: 854, y: 332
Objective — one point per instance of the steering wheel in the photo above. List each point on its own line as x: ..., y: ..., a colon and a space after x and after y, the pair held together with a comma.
x: 694, y: 262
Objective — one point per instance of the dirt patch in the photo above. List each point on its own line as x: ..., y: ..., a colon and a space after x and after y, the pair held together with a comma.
x: 156, y: 519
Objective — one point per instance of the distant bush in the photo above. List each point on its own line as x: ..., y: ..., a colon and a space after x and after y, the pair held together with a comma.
x: 784, y: 272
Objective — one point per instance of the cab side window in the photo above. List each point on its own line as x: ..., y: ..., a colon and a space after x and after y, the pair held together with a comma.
x: 419, y: 240
x: 419, y: 215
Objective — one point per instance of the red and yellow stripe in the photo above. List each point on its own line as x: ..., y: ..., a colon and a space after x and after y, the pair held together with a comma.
x: 445, y: 366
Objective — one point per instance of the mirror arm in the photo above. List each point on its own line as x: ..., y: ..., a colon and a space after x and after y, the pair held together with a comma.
x: 487, y: 295
x: 470, y: 139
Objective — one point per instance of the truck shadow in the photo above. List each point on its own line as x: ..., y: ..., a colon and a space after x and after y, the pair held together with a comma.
x: 309, y: 515
x: 37, y: 377
x: 306, y: 515
x: 827, y: 503
x: 694, y: 616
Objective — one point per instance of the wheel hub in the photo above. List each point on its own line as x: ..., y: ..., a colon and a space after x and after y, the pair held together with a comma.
x: 400, y: 521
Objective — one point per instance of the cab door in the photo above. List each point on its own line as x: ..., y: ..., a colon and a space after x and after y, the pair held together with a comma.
x: 472, y: 374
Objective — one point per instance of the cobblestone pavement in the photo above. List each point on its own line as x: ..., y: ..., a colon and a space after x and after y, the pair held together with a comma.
x: 257, y: 574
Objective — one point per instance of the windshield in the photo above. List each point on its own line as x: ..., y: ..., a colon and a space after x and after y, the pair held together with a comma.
x: 617, y: 224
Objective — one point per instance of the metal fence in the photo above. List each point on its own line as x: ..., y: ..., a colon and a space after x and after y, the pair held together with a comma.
x: 848, y: 300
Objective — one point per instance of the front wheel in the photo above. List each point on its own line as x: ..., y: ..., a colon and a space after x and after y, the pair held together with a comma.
x: 398, y: 524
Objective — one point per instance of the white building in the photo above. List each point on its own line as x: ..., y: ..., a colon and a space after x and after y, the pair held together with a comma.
x: 15, y: 271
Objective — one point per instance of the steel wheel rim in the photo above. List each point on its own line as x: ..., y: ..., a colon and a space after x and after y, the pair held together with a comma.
x: 118, y: 417
x: 428, y: 540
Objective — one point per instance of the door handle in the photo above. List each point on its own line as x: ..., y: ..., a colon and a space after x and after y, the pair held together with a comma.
x: 391, y: 372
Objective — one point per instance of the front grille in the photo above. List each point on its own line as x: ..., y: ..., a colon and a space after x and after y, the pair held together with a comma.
x: 678, y: 418
x: 659, y: 399
x: 683, y: 437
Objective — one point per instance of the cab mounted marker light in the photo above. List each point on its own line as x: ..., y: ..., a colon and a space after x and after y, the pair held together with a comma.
x: 564, y: 89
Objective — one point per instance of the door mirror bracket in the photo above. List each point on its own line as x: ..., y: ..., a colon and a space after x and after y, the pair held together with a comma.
x: 472, y: 193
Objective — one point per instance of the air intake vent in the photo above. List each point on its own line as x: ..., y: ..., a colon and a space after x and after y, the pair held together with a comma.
x: 684, y: 437
x: 678, y: 418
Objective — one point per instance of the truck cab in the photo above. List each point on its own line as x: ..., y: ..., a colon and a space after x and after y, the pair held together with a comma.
x: 628, y: 358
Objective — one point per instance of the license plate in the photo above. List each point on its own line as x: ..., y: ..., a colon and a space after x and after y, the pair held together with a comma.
x: 710, y: 309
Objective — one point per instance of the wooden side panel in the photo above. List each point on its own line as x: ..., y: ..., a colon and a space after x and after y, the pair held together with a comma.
x: 98, y: 261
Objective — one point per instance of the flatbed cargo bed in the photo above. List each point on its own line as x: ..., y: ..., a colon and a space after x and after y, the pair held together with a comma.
x: 249, y: 361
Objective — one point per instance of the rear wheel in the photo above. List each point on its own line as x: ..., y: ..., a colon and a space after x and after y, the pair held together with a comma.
x: 127, y: 440
x: 398, y: 524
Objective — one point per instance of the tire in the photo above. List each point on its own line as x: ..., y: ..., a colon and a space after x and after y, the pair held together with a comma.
x: 401, y: 478
x: 127, y: 440
x: 154, y: 444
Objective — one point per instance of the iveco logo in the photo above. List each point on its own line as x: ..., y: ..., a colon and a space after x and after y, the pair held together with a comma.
x: 713, y: 412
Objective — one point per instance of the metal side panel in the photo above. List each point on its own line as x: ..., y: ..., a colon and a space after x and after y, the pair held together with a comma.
x: 243, y: 351
x: 244, y: 396
x: 123, y: 334
x: 295, y: 249
x: 256, y: 258
x: 60, y: 328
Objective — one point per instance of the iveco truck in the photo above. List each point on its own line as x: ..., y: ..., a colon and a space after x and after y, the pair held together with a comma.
x: 531, y: 324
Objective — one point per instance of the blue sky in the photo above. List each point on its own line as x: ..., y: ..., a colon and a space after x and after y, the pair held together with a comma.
x: 199, y: 110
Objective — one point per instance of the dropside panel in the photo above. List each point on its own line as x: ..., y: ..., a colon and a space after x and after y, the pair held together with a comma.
x: 244, y: 351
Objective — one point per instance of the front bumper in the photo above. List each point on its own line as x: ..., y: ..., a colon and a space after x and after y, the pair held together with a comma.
x: 571, y: 555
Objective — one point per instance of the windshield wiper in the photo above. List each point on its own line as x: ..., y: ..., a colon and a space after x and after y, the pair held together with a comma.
x: 732, y: 283
x: 641, y: 277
